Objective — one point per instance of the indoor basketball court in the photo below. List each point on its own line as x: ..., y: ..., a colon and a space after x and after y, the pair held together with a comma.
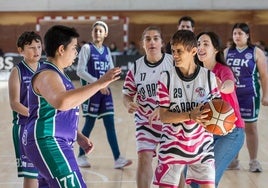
x: 102, y: 174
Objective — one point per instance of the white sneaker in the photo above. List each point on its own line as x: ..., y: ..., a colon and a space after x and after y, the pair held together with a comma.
x: 255, y: 166
x: 121, y: 162
x: 82, y: 161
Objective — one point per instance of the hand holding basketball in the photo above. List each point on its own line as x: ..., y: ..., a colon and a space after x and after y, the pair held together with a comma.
x: 221, y: 117
x: 199, y: 114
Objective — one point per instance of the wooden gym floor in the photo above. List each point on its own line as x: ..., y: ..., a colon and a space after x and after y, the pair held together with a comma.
x: 102, y: 174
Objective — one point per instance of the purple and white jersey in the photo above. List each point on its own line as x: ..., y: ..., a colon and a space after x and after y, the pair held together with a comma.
x: 99, y: 61
x: 244, y: 66
x: 93, y: 63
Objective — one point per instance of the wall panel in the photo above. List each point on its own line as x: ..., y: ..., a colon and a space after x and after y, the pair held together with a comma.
x: 12, y: 24
x: 126, y: 5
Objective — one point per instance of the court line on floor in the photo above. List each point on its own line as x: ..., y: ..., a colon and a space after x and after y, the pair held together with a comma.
x: 103, y: 177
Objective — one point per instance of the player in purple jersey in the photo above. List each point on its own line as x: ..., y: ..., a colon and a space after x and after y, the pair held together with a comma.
x: 95, y: 60
x: 30, y: 47
x: 184, y: 141
x: 249, y: 65
x: 54, y: 103
x: 140, y: 98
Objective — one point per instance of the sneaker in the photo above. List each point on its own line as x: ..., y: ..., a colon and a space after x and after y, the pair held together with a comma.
x: 121, y: 162
x: 255, y: 166
x: 82, y: 161
x: 234, y: 165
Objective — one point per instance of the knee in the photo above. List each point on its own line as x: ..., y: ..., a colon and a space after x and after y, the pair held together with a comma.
x: 145, y: 158
x: 251, y: 129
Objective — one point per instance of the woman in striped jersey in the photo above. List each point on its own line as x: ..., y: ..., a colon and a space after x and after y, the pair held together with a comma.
x: 184, y: 140
x: 140, y: 98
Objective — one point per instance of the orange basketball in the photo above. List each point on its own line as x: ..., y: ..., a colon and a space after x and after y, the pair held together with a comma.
x: 221, y: 117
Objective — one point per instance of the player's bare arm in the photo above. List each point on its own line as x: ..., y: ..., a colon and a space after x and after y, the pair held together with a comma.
x: 14, y: 93
x: 50, y: 86
x: 154, y: 116
x: 263, y: 71
x: 84, y: 143
x: 129, y: 104
x: 227, y: 86
x: 197, y: 114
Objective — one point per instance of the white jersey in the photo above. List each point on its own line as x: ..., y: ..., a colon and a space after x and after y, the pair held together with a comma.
x: 185, y: 142
x: 141, y: 81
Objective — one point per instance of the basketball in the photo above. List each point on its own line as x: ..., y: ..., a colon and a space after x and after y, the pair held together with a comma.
x: 221, y: 117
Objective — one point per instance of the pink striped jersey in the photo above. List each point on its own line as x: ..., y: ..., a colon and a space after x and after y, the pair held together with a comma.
x: 185, y: 142
x: 141, y: 81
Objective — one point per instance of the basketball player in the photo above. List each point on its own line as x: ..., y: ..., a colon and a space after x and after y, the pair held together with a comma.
x: 29, y: 45
x: 184, y: 140
x: 184, y: 23
x: 54, y: 111
x: 249, y: 65
x: 95, y: 60
x: 140, y: 83
x: 210, y: 55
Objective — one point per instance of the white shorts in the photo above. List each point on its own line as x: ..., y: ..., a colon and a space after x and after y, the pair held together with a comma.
x: 147, y: 138
x: 146, y: 146
x: 169, y: 174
